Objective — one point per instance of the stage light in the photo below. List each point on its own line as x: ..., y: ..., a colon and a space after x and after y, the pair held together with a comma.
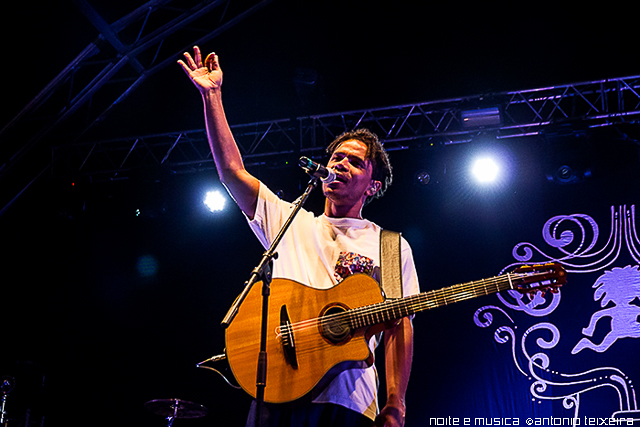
x: 481, y: 118
x: 423, y: 177
x: 566, y: 174
x: 569, y: 159
x: 485, y: 169
x: 215, y: 201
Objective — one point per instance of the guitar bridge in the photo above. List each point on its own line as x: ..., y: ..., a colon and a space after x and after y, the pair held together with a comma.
x: 288, y: 342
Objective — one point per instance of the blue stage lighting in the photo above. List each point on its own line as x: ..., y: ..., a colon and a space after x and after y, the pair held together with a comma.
x: 485, y: 169
x: 215, y: 201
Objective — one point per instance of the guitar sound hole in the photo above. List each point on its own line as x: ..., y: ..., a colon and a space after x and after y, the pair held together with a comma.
x: 335, y: 328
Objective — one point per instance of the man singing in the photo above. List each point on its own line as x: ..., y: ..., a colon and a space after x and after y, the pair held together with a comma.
x: 320, y: 251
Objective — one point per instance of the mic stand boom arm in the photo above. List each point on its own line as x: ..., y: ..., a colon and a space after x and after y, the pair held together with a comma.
x: 263, y: 272
x: 259, y: 272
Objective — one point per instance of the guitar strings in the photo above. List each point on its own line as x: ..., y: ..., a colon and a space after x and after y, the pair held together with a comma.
x: 417, y: 302
x: 411, y: 304
x: 356, y: 318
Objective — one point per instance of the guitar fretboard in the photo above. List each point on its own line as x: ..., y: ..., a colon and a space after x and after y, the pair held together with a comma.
x: 398, y: 308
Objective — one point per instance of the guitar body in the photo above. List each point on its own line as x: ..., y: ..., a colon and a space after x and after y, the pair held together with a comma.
x: 315, y: 333
x: 293, y: 370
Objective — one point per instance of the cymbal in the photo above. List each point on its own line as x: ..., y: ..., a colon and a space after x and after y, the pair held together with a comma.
x: 176, y: 408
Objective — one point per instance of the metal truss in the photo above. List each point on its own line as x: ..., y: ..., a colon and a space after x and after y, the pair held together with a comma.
x: 124, y: 55
x: 552, y: 110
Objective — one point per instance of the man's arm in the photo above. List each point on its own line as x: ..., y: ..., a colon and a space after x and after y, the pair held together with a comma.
x: 398, y: 352
x: 207, y: 78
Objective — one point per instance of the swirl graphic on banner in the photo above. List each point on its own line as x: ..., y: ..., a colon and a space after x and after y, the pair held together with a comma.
x: 573, y: 239
x: 547, y: 384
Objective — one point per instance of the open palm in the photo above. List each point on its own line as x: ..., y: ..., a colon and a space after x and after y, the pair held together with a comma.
x: 205, y: 76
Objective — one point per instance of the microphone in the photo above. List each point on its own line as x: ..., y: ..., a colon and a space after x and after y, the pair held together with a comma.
x: 316, y: 170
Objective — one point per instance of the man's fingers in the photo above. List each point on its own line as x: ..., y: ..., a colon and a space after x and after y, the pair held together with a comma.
x: 192, y: 65
x: 211, y: 61
x: 196, y: 51
x: 184, y: 66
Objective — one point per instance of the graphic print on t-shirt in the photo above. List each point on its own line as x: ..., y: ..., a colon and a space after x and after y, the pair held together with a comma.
x: 349, y: 263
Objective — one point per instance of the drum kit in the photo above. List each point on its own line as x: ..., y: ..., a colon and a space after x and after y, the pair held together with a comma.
x: 173, y: 409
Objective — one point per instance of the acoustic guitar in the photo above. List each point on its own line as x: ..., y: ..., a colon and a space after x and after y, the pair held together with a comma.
x: 314, y: 333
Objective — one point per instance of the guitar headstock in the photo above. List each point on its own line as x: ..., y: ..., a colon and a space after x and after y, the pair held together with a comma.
x: 539, y: 277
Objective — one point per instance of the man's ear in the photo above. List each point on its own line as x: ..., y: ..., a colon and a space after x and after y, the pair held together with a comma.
x: 374, y: 188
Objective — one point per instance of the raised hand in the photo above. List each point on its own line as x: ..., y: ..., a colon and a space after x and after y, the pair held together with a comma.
x: 205, y: 77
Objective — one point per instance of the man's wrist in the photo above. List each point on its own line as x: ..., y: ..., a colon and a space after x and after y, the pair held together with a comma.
x: 398, y: 402
x: 211, y: 94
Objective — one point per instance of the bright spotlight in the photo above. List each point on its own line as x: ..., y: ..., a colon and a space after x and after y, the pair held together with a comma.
x: 214, y: 200
x: 485, y: 170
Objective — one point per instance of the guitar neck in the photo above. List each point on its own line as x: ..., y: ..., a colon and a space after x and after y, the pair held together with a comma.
x: 398, y: 308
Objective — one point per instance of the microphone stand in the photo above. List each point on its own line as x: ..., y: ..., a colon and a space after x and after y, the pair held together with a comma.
x: 263, y: 272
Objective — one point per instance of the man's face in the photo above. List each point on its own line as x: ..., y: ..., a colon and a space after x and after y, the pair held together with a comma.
x: 353, y: 182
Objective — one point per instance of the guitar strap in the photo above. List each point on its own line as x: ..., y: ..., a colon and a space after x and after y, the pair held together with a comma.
x: 390, y: 264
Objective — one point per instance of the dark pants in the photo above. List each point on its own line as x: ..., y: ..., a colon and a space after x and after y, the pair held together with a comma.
x: 309, y: 415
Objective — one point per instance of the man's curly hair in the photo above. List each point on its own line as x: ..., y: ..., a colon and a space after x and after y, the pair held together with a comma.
x: 376, y: 154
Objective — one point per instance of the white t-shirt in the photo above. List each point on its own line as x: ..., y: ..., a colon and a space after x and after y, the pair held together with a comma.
x: 308, y: 254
